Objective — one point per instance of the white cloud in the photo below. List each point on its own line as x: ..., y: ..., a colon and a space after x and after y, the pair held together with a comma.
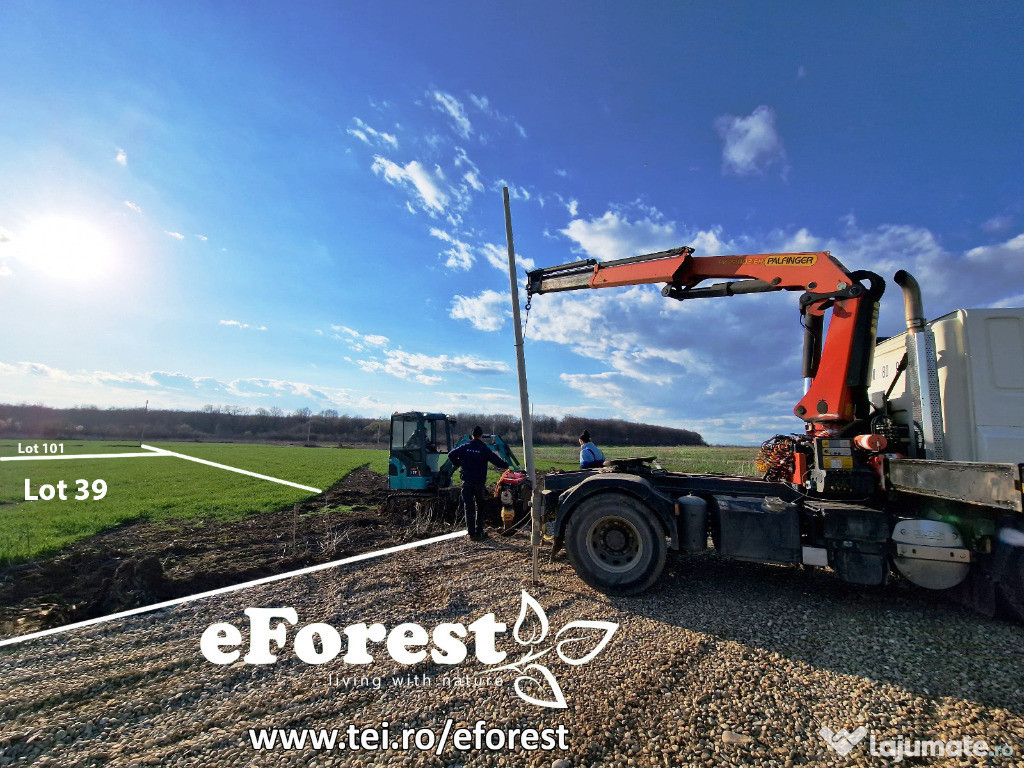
x: 31, y: 382
x: 429, y: 186
x: 426, y: 369
x: 238, y: 324
x: 573, y: 206
x: 497, y: 255
x: 356, y: 339
x: 599, y: 386
x: 175, y: 235
x: 514, y: 192
x: 801, y: 73
x: 132, y: 206
x: 473, y: 181
x: 997, y: 224
x: 203, y: 238
x: 483, y: 104
x: 751, y: 144
x: 613, y: 236
x: 452, y: 107
x: 459, y: 256
x: 380, y: 357
x: 369, y: 135
x: 486, y: 311
x: 561, y: 172
x: 1008, y: 254
x: 122, y: 157
x: 5, y: 271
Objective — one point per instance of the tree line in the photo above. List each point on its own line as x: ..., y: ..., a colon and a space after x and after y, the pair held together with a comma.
x: 224, y: 422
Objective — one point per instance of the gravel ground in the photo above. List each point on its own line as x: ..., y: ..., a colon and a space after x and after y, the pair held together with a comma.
x: 720, y: 664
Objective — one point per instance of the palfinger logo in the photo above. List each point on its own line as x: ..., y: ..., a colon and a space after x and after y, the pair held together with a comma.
x: 843, y: 741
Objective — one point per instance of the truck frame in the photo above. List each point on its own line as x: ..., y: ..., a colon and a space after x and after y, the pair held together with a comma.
x: 868, y: 487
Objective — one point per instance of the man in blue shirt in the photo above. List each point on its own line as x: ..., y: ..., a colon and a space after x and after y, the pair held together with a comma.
x: 590, y: 454
x: 472, y: 458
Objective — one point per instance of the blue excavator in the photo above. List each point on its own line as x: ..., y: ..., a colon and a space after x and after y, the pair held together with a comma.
x: 419, y: 468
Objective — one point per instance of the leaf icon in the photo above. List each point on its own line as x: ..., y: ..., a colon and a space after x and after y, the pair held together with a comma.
x: 529, y: 607
x: 558, y: 702
x: 583, y: 632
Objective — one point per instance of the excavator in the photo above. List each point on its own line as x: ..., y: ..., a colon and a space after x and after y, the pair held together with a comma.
x: 888, y: 478
x: 419, y: 469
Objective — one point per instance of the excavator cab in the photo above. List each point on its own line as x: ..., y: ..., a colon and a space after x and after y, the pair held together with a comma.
x: 419, y: 451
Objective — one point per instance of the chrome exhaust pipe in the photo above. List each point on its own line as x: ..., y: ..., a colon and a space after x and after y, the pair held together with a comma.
x: 922, y: 369
x: 913, y: 307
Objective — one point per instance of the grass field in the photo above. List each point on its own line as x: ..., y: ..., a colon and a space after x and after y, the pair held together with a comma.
x: 693, y: 459
x: 160, y: 488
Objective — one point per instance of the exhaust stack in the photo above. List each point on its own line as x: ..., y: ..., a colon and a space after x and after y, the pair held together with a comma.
x: 922, y: 368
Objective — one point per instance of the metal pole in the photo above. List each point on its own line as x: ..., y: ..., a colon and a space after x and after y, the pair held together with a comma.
x: 524, y: 395
x: 145, y: 413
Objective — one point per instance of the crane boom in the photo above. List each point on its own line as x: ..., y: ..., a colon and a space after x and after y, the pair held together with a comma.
x: 835, y: 398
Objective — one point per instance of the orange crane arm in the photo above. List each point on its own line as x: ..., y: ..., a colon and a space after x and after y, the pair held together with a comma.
x: 835, y: 397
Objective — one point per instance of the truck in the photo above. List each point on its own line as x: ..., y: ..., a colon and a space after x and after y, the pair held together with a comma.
x: 908, y: 465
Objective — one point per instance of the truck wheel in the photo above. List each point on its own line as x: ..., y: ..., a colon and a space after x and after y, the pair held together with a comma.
x: 615, y: 544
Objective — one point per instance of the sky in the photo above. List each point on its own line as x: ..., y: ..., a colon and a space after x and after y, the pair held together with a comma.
x: 298, y: 205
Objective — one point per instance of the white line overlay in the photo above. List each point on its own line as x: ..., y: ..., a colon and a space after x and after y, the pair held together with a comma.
x: 152, y: 453
x: 233, y: 469
x: 233, y: 588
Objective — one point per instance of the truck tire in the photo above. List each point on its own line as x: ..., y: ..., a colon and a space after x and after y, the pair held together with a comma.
x: 615, y: 543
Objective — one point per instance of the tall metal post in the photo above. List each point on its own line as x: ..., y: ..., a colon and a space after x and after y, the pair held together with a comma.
x: 524, y: 395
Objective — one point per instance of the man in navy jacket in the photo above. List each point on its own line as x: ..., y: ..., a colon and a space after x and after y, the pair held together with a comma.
x: 472, y: 458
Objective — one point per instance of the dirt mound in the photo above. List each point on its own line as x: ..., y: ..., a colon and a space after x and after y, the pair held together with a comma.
x: 141, y: 562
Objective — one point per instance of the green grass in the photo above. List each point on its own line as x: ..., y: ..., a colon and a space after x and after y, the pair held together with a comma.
x: 167, y: 488
x: 158, y: 488
x: 692, y: 459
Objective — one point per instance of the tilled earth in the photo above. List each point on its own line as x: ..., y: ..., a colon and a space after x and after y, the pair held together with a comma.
x: 721, y: 663
x: 142, y: 563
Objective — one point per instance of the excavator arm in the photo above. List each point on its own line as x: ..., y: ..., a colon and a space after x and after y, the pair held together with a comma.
x: 838, y: 366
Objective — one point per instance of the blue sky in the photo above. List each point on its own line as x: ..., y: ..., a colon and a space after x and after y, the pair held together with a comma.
x: 299, y: 205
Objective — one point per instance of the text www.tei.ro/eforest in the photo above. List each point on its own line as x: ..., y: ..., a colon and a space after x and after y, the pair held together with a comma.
x: 375, y: 739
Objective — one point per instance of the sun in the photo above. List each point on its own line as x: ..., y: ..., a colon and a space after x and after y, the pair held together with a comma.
x: 67, y: 247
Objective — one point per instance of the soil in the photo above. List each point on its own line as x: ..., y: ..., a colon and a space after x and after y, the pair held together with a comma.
x: 141, y: 562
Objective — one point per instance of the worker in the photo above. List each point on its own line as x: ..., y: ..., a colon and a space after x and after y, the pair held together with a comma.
x: 472, y: 458
x: 590, y: 454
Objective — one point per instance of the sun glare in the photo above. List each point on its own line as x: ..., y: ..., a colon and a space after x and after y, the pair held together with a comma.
x: 67, y: 247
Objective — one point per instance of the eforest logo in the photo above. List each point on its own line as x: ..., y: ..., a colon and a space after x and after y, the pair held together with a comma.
x: 576, y: 643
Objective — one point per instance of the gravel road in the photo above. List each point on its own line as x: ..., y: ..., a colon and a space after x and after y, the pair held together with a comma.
x: 720, y: 664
